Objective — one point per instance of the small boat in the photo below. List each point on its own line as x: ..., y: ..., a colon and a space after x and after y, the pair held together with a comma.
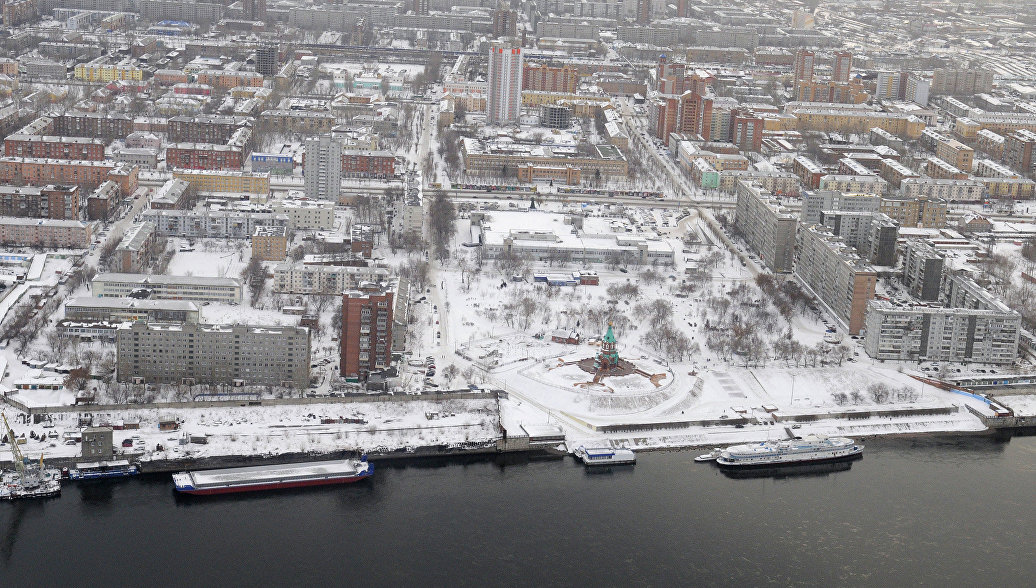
x: 103, y: 469
x: 273, y: 477
x: 594, y: 456
x: 710, y: 456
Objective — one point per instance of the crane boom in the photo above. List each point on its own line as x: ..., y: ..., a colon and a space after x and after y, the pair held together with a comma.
x: 16, y: 454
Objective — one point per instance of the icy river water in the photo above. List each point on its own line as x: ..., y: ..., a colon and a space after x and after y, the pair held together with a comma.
x: 921, y: 511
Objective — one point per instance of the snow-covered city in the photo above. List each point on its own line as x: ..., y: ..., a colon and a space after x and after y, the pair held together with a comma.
x: 257, y: 245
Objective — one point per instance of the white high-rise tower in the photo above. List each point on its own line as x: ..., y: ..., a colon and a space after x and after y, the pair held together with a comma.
x: 504, y: 102
x: 323, y: 168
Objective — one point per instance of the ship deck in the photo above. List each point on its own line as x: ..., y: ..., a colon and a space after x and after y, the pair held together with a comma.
x: 273, y: 473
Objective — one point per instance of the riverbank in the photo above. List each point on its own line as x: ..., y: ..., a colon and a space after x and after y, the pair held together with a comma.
x: 912, y: 511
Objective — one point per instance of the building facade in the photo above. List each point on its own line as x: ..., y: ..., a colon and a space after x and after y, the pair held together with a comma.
x: 834, y: 272
x: 323, y: 168
x: 191, y: 288
x: 188, y: 354
x: 366, y: 343
x: 766, y: 226
x: 505, y: 84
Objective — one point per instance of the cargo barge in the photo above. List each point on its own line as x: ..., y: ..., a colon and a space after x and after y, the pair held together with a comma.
x: 273, y: 477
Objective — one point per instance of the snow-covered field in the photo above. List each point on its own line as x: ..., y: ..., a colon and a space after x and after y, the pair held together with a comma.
x: 271, y: 430
x: 492, y: 322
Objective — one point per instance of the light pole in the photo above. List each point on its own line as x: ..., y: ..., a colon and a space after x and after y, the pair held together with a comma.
x: 792, y: 390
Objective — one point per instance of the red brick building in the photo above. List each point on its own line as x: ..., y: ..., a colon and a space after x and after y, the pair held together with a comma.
x: 85, y: 174
x: 203, y: 156
x: 92, y: 124
x: 746, y: 130
x: 100, y: 204
x: 56, y: 202
x: 366, y: 343
x: 368, y: 164
x: 544, y: 78
x: 53, y: 147
x: 207, y: 128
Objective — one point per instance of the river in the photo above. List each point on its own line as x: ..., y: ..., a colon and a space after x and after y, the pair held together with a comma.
x: 926, y: 510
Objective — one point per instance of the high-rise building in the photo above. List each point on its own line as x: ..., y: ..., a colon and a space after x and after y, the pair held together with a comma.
x: 366, y: 343
x: 962, y: 82
x: 804, y: 60
x: 767, y: 227
x: 266, y: 60
x: 503, y: 104
x: 421, y: 6
x: 505, y: 21
x: 323, y: 168
x: 696, y: 114
x: 254, y: 9
x: 842, y: 67
x: 683, y: 8
x: 746, y: 130
x: 835, y: 273
x: 644, y: 12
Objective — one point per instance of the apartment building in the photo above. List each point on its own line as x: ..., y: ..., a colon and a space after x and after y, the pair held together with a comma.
x: 545, y: 78
x: 942, y: 189
x: 270, y: 243
x: 48, y: 233
x: 137, y: 248
x: 322, y: 168
x: 216, y: 224
x: 105, y: 127
x: 237, y: 355
x: 987, y: 168
x: 922, y: 270
x: 956, y: 154
x: 100, y: 70
x: 366, y: 342
x: 926, y: 333
x: 40, y: 172
x: 815, y: 202
x: 915, y: 212
x: 298, y: 121
x: 858, y: 121
x: 894, y: 173
x: 872, y: 234
x: 207, y: 156
x: 53, y: 147
x: 159, y: 287
x: 360, y: 163
x: 101, y: 203
x: 306, y: 215
x: 171, y: 195
x: 766, y: 226
x: 54, y: 202
x: 1018, y: 151
x: 868, y: 184
x: 836, y: 275
x: 302, y: 278
x: 206, y: 128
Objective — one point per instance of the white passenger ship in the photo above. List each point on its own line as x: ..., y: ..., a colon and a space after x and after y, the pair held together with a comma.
x: 810, y: 449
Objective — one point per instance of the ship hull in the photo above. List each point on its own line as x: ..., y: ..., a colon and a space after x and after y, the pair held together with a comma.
x: 87, y: 476
x: 238, y: 488
x: 788, y: 462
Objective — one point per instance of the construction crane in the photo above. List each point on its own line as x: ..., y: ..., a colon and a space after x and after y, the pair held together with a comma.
x: 16, y: 453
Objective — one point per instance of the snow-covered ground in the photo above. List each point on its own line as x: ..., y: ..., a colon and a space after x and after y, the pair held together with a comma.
x: 494, y: 343
x: 271, y: 430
